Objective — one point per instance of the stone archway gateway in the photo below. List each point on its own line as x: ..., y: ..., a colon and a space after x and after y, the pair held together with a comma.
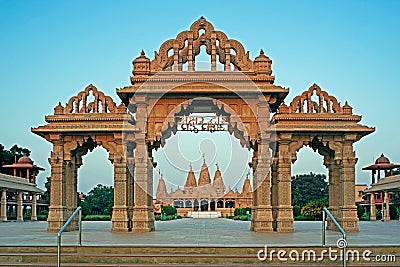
x: 171, y: 86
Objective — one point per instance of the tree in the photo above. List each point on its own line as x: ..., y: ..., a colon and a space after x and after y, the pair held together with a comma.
x: 314, y: 209
x: 307, y: 188
x: 168, y: 210
x: 10, y: 156
x: 100, y: 200
x: 85, y: 208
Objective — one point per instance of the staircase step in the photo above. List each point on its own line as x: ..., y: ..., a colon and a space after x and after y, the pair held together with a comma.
x: 171, y: 256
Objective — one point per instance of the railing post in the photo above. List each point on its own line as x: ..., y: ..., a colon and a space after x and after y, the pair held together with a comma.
x: 77, y: 211
x: 323, y: 228
x: 344, y: 246
x: 80, y: 227
x: 58, y: 250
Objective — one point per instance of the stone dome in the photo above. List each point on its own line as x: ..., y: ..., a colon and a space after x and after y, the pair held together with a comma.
x: 25, y: 160
x: 382, y: 160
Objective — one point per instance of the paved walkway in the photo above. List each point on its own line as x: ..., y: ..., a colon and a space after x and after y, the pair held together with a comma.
x: 199, y: 232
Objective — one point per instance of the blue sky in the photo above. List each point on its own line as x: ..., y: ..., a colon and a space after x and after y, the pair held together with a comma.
x: 51, y: 50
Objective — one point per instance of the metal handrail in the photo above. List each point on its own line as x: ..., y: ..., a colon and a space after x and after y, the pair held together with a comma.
x: 79, y: 212
x: 327, y: 212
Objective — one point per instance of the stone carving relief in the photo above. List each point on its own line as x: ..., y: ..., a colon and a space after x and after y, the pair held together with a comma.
x: 326, y: 103
x: 187, y: 44
x: 81, y: 103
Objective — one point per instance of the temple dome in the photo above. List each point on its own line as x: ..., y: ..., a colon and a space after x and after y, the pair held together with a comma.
x: 382, y: 160
x: 25, y: 160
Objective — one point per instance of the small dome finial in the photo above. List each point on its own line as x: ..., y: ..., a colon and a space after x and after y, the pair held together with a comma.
x: 217, y: 166
x: 142, y: 53
x: 261, y: 52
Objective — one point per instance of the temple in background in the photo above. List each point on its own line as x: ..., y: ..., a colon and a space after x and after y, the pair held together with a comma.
x: 19, y: 191
x: 204, y: 194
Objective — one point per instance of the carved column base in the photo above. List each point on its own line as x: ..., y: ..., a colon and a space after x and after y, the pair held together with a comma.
x: 261, y: 219
x: 349, y: 225
x: 120, y: 221
x: 56, y: 218
x: 143, y: 219
x: 284, y: 219
x: 348, y: 219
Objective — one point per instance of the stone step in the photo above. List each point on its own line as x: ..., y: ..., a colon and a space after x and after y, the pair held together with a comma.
x: 174, y: 256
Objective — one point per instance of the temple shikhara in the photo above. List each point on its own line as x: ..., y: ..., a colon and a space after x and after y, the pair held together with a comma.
x: 205, y: 194
x: 240, y: 94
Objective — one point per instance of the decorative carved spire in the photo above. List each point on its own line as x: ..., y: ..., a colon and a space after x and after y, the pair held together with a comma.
x: 262, y: 64
x: 161, y: 189
x: 59, y: 109
x: 347, y: 109
x: 190, y: 180
x: 246, y: 189
x: 204, y: 178
x: 141, y: 65
x: 218, y: 183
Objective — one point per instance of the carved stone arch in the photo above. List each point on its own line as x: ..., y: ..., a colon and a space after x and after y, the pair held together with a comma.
x: 337, y: 146
x: 294, y: 148
x: 222, y: 38
x: 162, y: 61
x: 203, y: 24
x: 298, y: 103
x: 242, y: 58
x: 79, y: 104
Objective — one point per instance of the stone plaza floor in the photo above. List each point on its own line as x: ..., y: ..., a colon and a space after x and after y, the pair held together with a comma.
x: 198, y: 232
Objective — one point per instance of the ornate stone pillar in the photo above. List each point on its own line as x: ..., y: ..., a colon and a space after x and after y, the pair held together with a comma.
x: 274, y: 189
x: 373, y: 207
x: 348, y: 210
x: 284, y: 216
x: 34, y: 207
x: 227, y: 66
x: 261, y: 221
x: 71, y: 190
x: 213, y: 51
x: 143, y: 212
x: 334, y: 194
x: 120, y: 218
x: 57, y: 209
x: 387, y: 207
x: 20, y: 215
x: 130, y: 194
x: 3, y: 213
x: 176, y: 57
x: 190, y: 52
